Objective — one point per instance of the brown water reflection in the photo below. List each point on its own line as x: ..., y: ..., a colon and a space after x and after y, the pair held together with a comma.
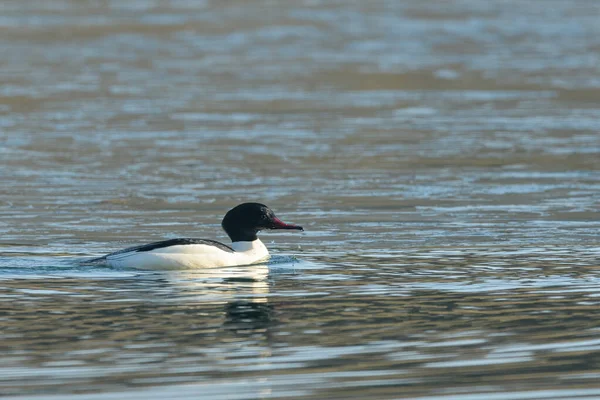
x: 443, y: 158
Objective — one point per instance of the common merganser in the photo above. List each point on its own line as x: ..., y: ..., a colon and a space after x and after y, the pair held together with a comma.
x: 241, y: 224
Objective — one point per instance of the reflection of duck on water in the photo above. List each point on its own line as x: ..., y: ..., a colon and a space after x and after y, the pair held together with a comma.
x: 248, y: 315
x: 243, y: 290
x: 247, y: 282
x: 242, y: 223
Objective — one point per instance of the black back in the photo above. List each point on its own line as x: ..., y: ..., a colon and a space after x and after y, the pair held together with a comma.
x: 173, y: 242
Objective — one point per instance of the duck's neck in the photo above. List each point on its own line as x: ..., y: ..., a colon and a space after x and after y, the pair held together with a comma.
x: 254, y: 246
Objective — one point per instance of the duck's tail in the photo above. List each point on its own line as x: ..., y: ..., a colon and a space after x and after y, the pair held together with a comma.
x: 99, y: 260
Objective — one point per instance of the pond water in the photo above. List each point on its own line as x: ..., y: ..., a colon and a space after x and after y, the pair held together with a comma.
x: 443, y: 158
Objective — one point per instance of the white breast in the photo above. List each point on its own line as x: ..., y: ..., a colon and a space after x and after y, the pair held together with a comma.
x: 191, y: 256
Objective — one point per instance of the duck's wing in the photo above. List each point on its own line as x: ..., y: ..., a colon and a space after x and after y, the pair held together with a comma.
x: 164, y: 244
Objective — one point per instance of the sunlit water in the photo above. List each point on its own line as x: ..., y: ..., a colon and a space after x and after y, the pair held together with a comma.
x: 443, y: 157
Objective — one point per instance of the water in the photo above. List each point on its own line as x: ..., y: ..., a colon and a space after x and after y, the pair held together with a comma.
x: 443, y: 158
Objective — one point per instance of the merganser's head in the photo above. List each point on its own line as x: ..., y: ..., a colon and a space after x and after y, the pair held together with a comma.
x: 243, y: 222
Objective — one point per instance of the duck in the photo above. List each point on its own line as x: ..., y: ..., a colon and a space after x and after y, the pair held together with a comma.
x: 242, y: 224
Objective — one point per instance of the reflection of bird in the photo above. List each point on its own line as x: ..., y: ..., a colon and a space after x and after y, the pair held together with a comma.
x: 244, y: 282
x: 247, y: 315
x: 242, y: 291
x: 241, y: 224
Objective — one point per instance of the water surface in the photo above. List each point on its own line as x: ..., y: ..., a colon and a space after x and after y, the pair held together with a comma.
x: 444, y: 160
